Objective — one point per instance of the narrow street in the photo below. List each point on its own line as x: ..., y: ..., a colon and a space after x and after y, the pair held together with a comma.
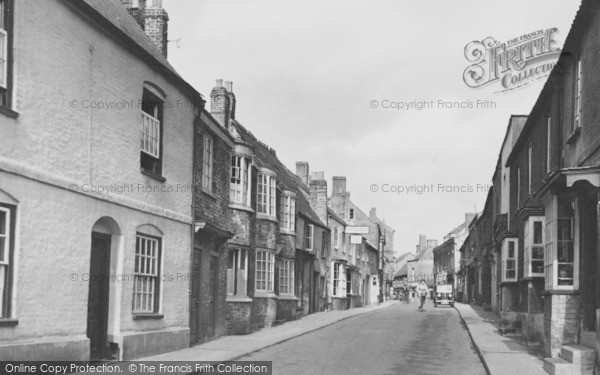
x: 396, y: 340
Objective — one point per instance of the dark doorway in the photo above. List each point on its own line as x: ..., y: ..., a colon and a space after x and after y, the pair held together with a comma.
x: 348, y: 288
x: 98, y: 296
x: 213, y: 295
x: 195, y: 333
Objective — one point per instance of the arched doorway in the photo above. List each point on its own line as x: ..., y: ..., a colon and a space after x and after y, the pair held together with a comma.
x: 105, y: 233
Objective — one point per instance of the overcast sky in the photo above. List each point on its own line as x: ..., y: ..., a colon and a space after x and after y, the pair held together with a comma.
x: 305, y: 74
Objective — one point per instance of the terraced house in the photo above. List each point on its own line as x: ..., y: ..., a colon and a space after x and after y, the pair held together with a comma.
x: 95, y: 205
x: 545, y: 210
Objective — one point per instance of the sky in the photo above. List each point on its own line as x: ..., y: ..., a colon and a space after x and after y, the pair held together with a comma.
x: 316, y: 80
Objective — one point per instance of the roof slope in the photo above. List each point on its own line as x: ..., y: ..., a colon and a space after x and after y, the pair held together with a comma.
x: 114, y: 15
x: 267, y: 157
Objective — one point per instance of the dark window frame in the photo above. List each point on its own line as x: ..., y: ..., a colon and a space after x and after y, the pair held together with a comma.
x: 6, y: 95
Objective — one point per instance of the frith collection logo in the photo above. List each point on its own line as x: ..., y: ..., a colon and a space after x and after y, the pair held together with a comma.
x: 512, y: 64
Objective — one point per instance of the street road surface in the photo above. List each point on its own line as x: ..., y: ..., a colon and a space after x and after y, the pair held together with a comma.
x: 395, y: 340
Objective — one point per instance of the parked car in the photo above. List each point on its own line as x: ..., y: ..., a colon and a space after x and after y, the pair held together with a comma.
x: 443, y: 295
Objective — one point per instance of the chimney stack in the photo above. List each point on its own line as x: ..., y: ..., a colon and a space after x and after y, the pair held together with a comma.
x: 422, y: 241
x: 339, y: 186
x: 156, y: 22
x: 302, y: 171
x: 373, y: 212
x: 220, y: 104
x: 229, y: 88
x: 137, y: 9
x: 318, y: 195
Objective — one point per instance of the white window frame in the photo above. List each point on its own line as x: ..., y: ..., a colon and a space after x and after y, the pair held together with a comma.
x: 548, y: 143
x: 265, y: 271
x: 338, y: 277
x: 309, y: 240
x: 286, y: 277
x: 577, y: 96
x: 265, y: 193
x: 5, y: 263
x: 4, y: 58
x: 6, y: 236
x: 208, y: 156
x: 506, y: 259
x: 530, y: 245
x: 146, y: 274
x: 237, y: 272
x: 150, y: 134
x: 551, y: 246
x: 241, y: 172
x: 287, y: 219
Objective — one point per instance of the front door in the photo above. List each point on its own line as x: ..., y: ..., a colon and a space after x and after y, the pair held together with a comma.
x: 213, y: 295
x: 348, y: 288
x: 97, y: 316
x: 195, y: 330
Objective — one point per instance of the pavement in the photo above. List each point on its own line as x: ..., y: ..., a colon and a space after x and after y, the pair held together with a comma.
x: 229, y: 348
x: 499, y: 354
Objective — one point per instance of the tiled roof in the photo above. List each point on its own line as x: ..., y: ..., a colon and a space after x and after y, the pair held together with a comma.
x: 289, y: 180
x: 114, y: 15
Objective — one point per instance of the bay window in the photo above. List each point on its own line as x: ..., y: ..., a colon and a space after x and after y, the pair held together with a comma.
x: 562, y: 245
x: 286, y: 277
x: 339, y: 280
x: 534, y: 246
x: 207, y: 163
x: 265, y: 264
x: 288, y: 211
x: 237, y: 272
x: 510, y: 257
x: 265, y: 202
x: 239, y: 188
x: 309, y: 236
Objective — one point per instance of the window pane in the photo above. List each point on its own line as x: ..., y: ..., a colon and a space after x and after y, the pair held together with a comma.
x: 3, y: 223
x: 537, y: 232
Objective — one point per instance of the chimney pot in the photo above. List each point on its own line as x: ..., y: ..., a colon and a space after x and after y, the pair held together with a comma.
x: 229, y: 86
x: 219, y: 83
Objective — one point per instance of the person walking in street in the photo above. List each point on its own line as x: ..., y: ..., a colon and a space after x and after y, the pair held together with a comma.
x: 422, y: 293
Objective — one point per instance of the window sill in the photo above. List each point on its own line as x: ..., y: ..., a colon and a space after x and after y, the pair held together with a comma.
x: 154, y: 176
x: 287, y: 231
x: 509, y: 283
x: 260, y: 216
x: 209, y: 193
x: 243, y: 299
x: 8, y: 112
x: 242, y: 207
x: 574, y: 135
x: 263, y: 294
x: 288, y: 297
x: 560, y: 291
x: 8, y: 322
x: 532, y: 278
x: 147, y: 316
